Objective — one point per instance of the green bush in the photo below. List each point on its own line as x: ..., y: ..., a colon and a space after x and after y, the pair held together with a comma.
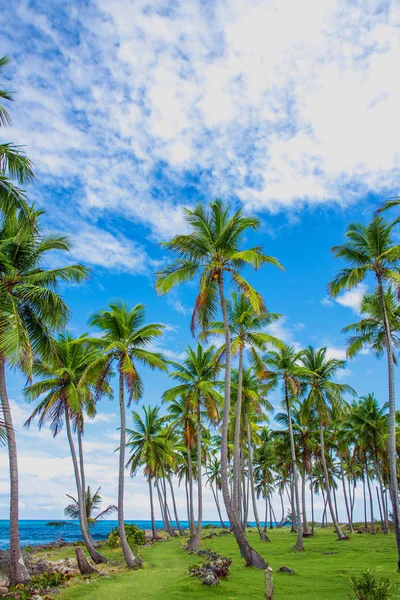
x: 134, y: 535
x: 368, y: 587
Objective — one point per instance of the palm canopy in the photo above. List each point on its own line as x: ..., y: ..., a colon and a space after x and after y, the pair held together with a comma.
x: 64, y: 383
x: 125, y: 339
x: 325, y: 396
x: 368, y: 249
x: 14, y: 165
x: 31, y: 306
x: 368, y: 425
x: 255, y: 405
x: 92, y: 505
x: 281, y: 367
x: 213, y: 248
x: 247, y: 327
x: 196, y: 377
x: 148, y: 441
x: 369, y: 332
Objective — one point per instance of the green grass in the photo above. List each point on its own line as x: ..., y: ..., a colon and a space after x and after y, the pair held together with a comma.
x: 319, y: 575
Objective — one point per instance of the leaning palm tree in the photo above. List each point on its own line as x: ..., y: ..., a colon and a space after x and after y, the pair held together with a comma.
x: 213, y: 252
x: 148, y: 447
x: 281, y: 368
x: 247, y: 332
x: 370, y: 250
x: 92, y: 506
x: 125, y: 341
x: 196, y: 377
x: 65, y: 393
x: 324, y: 397
x: 30, y: 308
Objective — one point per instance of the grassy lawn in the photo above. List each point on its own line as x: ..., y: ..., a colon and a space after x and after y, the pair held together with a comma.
x: 322, y: 571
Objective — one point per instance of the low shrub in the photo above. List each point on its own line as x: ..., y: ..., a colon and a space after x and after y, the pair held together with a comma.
x: 368, y: 587
x: 134, y: 535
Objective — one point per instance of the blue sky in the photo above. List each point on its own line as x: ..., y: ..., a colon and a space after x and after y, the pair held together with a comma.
x: 133, y: 110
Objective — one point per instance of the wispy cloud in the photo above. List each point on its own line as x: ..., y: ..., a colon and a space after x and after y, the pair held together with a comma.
x: 233, y: 99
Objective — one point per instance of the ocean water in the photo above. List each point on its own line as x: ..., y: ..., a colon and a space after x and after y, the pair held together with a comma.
x: 33, y: 533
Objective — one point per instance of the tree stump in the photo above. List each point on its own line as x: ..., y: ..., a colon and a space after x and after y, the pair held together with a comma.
x: 269, y: 584
x: 84, y: 565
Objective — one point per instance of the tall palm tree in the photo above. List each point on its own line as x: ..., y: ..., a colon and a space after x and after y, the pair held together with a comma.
x: 183, y: 419
x: 64, y: 396
x: 368, y: 424
x: 325, y: 397
x: 370, y: 250
x: 125, y: 341
x: 30, y: 308
x: 213, y: 472
x: 213, y: 252
x: 92, y: 506
x: 255, y: 407
x: 196, y: 377
x: 281, y: 368
x: 246, y: 329
x: 149, y: 447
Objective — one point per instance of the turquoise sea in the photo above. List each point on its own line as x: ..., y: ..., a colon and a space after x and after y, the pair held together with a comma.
x: 33, y: 533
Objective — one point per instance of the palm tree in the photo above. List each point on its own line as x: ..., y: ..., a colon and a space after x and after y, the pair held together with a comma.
x: 280, y: 367
x: 196, y: 377
x: 183, y: 419
x: 325, y: 397
x: 30, y: 308
x: 255, y: 405
x: 125, y: 341
x: 92, y: 505
x: 368, y: 424
x: 213, y: 472
x: 212, y: 250
x: 149, y: 447
x: 65, y: 395
x: 371, y: 250
x: 246, y: 332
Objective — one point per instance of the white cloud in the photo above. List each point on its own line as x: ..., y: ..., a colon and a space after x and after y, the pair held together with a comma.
x: 327, y: 301
x: 336, y: 352
x: 275, y: 103
x: 352, y: 298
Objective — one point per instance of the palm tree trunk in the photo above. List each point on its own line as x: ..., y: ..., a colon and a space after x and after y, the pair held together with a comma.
x: 385, y: 524
x: 261, y: 533
x: 94, y: 554
x: 194, y: 544
x: 181, y: 532
x: 342, y: 477
x: 293, y: 528
x: 132, y: 562
x: 251, y: 557
x: 371, y: 501
x: 339, y: 532
x: 365, y: 500
x: 192, y: 527
x: 303, y: 501
x: 215, y: 494
x: 236, y: 442
x: 18, y: 573
x: 187, y: 499
x: 153, y: 523
x: 83, y: 483
x: 162, y: 508
x: 312, y: 507
x: 380, y: 510
x: 393, y: 483
x: 299, y: 542
x: 167, y: 511
x: 324, y: 511
x: 283, y: 508
x: 334, y: 499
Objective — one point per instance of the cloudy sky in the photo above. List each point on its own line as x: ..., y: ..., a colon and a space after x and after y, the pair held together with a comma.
x: 133, y: 110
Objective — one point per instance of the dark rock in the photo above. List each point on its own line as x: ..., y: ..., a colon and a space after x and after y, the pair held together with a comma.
x: 287, y: 570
